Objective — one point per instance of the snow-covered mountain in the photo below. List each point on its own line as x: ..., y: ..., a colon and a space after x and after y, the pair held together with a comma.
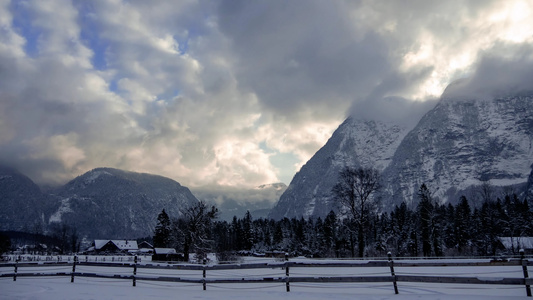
x: 461, y: 143
x: 355, y: 143
x: 456, y: 145
x: 102, y: 203
x: 113, y: 203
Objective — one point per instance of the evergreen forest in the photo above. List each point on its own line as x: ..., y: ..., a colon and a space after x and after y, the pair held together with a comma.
x: 427, y: 229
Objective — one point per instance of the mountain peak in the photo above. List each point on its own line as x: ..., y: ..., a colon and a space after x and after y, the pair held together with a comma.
x: 454, y: 146
x: 356, y: 142
x: 459, y: 144
x: 102, y: 203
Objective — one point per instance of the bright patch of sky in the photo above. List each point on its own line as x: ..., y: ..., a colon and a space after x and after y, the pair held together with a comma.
x: 22, y: 23
x: 89, y: 35
x: 285, y: 163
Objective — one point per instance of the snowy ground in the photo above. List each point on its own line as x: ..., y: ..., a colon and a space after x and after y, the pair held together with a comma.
x: 98, y: 288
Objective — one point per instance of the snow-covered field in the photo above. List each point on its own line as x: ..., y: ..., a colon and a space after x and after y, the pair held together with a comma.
x: 100, y: 288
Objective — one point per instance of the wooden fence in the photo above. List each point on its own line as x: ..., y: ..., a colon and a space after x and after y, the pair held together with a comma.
x: 285, y: 268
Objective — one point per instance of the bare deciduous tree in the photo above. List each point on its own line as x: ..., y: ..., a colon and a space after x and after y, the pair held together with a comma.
x: 194, y: 228
x: 356, y: 190
x: 486, y: 190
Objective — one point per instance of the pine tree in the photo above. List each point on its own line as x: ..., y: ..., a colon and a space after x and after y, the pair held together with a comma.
x: 278, y: 237
x: 5, y: 243
x: 402, y: 226
x: 450, y: 238
x: 425, y: 215
x: 437, y: 224
x: 462, y: 224
x: 162, y: 230
x: 329, y: 234
x: 247, y: 231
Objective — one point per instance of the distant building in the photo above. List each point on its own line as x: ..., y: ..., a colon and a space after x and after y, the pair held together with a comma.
x: 145, y: 244
x: 514, y: 244
x: 113, y: 246
x: 145, y: 248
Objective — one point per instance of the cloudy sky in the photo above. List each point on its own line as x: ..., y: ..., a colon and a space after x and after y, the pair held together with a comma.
x: 229, y: 93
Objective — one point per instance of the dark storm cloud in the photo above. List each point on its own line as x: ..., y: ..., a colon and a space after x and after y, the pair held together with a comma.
x: 503, y: 70
x: 380, y: 104
x: 293, y: 54
x: 396, y: 110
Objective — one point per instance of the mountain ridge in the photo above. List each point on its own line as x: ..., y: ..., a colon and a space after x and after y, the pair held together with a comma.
x: 455, y: 146
x: 101, y: 203
x: 316, y: 178
x: 464, y: 143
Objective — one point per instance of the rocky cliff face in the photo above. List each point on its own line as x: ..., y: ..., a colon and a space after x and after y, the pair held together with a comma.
x: 461, y: 143
x: 456, y: 145
x: 355, y: 143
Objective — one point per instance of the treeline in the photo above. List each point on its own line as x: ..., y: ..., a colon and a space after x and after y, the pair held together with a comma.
x: 428, y: 229
x: 61, y: 239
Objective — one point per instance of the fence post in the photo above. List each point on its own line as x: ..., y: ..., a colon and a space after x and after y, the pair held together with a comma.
x: 134, y: 270
x: 16, y: 268
x: 393, y: 274
x: 73, y: 268
x: 524, y: 269
x: 203, y: 274
x: 287, y: 284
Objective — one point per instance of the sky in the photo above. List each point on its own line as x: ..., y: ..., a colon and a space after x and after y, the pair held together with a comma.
x: 232, y: 93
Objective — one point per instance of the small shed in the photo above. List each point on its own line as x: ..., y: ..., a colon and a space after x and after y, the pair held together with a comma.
x: 514, y: 244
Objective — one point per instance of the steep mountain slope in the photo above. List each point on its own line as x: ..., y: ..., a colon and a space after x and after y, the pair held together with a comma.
x: 111, y: 203
x: 459, y: 143
x: 21, y: 201
x: 355, y: 143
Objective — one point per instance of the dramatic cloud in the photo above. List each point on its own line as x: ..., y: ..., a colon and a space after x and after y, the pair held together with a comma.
x: 233, y: 93
x: 505, y: 69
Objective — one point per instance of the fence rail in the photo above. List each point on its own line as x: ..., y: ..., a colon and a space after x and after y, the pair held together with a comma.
x: 285, y: 277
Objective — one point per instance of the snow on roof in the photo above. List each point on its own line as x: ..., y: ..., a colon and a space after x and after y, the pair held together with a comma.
x: 121, y: 244
x: 145, y: 244
x: 98, y: 244
x: 522, y: 242
x: 125, y: 244
x: 165, y: 251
